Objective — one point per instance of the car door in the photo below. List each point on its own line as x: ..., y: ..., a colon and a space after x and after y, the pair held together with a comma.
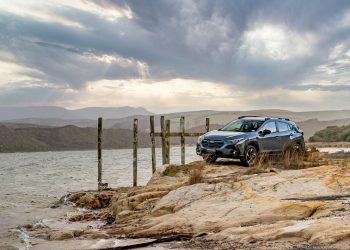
x: 268, y: 142
x: 284, y: 134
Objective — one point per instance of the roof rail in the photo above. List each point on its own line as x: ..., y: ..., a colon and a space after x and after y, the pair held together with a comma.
x: 281, y: 118
x: 244, y: 116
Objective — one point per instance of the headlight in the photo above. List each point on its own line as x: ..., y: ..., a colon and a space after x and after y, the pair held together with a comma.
x: 200, y: 138
x: 234, y: 141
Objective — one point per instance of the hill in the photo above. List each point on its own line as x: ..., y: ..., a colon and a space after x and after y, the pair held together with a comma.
x: 34, y: 139
x: 31, y: 139
x: 332, y: 134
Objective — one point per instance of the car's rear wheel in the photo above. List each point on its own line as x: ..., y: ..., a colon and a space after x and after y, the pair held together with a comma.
x: 210, y: 158
x: 250, y: 156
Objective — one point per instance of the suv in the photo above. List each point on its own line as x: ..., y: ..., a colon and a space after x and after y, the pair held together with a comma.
x: 249, y: 136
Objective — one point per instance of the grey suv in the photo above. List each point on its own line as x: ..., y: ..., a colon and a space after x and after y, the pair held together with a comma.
x: 248, y: 136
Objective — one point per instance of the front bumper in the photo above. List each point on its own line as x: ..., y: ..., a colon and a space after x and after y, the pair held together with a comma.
x: 225, y: 151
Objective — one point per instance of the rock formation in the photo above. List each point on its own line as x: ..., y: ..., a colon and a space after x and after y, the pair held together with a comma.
x: 232, y: 207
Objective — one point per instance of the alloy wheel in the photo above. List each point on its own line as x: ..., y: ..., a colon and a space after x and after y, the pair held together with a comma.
x: 251, y: 155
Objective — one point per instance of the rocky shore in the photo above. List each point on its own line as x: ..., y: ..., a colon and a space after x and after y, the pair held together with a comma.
x: 219, y: 206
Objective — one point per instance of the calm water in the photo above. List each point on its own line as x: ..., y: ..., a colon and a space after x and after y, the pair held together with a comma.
x: 30, y: 182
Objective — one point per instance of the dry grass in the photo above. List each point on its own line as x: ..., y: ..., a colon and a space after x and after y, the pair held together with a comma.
x: 264, y: 161
x: 289, y: 160
x: 293, y: 160
x: 174, y: 170
x: 195, y: 176
x: 311, y: 158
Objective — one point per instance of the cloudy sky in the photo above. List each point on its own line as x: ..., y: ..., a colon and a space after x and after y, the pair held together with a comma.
x: 175, y: 55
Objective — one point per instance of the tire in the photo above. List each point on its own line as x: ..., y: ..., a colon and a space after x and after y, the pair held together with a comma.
x: 251, y: 155
x: 210, y: 158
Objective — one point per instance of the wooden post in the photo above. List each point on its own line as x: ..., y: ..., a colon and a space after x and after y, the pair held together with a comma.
x: 207, y: 124
x: 167, y: 154
x: 182, y: 130
x: 135, y: 153
x: 153, y: 144
x: 162, y: 128
x: 99, y: 154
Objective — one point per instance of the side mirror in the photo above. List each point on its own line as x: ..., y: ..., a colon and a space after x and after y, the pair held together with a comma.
x: 265, y: 132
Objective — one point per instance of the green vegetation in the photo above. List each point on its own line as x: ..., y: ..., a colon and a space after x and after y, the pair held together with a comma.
x: 332, y: 134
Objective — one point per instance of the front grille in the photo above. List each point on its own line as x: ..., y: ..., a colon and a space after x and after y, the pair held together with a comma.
x: 212, y: 143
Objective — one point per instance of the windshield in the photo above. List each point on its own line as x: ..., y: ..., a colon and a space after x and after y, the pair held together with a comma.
x: 243, y: 126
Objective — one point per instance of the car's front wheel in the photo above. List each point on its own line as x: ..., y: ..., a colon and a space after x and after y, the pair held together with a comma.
x: 250, y: 156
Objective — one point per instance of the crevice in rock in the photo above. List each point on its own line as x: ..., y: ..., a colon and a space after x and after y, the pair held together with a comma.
x: 320, y: 198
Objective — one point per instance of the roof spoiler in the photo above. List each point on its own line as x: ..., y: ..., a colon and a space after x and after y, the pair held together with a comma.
x: 244, y: 116
x: 287, y: 119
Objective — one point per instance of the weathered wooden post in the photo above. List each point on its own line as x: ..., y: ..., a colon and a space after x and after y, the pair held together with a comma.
x: 135, y: 153
x: 153, y: 144
x: 162, y: 130
x: 207, y: 124
x: 182, y: 130
x: 167, y: 155
x: 99, y: 154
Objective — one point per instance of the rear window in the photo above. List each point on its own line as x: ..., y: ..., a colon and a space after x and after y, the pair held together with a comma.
x: 294, y: 127
x: 282, y: 126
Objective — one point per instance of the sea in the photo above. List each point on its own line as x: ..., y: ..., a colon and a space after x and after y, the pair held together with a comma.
x: 31, y: 182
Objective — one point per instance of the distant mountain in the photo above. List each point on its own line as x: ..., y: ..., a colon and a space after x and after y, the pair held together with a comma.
x: 310, y: 121
x: 51, y: 112
x: 110, y: 113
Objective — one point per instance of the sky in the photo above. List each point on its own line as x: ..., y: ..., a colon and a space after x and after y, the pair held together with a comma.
x: 176, y: 55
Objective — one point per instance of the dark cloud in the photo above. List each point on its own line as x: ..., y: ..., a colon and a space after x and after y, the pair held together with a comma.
x: 202, y: 40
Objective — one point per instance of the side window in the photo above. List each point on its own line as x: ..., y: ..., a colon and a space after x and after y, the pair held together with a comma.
x: 270, y: 126
x: 283, y: 126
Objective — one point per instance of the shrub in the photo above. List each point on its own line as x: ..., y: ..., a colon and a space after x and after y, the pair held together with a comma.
x: 195, y: 176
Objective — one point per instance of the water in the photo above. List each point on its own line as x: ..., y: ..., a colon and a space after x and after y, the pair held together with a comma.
x: 30, y: 182
x: 334, y: 150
